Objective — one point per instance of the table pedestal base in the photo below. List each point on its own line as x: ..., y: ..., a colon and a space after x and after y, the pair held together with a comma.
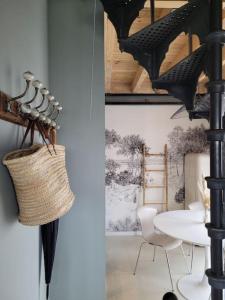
x: 193, y: 287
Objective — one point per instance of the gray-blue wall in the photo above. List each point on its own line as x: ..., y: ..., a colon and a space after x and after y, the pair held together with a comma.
x: 23, y: 33
x: 79, y: 272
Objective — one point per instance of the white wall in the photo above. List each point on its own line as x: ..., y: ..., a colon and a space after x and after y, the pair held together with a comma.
x: 23, y: 31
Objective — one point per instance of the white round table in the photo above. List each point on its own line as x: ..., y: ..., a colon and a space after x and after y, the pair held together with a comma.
x: 189, y: 227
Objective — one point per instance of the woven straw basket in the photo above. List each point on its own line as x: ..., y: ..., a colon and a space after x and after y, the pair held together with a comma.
x: 41, y: 183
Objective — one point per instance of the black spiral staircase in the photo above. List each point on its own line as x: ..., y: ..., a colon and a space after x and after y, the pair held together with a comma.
x: 149, y: 47
x: 122, y: 14
x: 181, y: 80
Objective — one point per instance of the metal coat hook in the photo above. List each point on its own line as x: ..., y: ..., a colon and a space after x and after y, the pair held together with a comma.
x: 44, y: 92
x: 54, y: 105
x: 29, y: 77
x: 26, y: 107
x: 37, y: 86
x: 53, y: 123
x: 35, y: 113
x: 43, y: 116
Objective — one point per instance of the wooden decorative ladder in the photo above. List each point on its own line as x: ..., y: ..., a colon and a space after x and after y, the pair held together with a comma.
x: 164, y: 171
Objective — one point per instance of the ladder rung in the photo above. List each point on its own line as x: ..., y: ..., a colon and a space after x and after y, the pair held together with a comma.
x: 155, y: 203
x: 155, y: 170
x: 154, y: 154
x: 155, y: 186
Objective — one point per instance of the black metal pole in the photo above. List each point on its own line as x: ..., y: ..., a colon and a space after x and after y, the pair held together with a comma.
x: 152, y: 7
x: 216, y: 87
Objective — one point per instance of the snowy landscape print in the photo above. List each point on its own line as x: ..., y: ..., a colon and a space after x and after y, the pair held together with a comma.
x: 124, y: 164
x: 123, y: 180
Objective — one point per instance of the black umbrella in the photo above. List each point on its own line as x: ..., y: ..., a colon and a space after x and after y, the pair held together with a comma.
x: 49, y: 233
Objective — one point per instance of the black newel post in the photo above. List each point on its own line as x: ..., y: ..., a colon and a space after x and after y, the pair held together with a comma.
x: 216, y: 181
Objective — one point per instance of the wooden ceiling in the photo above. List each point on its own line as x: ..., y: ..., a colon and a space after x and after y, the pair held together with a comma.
x: 122, y: 72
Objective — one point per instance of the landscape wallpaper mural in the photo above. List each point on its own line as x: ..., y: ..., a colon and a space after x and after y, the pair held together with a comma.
x: 124, y: 158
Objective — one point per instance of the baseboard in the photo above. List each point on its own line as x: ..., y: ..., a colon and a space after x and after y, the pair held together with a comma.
x: 123, y: 233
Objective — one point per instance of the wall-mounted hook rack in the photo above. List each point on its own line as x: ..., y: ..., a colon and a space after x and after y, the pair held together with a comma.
x: 15, y: 118
x: 12, y: 109
x: 10, y: 116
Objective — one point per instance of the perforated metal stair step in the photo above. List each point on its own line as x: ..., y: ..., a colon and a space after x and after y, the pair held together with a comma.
x: 200, y: 110
x: 181, y: 80
x: 149, y: 46
x: 122, y: 14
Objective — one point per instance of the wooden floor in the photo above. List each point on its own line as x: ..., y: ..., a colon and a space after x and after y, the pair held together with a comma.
x: 152, y: 278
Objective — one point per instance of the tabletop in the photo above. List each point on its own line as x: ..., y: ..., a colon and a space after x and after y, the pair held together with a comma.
x: 185, y: 225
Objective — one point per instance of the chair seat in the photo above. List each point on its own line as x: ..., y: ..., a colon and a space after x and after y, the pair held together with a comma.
x: 164, y: 241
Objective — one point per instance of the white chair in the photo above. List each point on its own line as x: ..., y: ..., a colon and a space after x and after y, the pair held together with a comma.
x: 151, y: 237
x: 197, y: 205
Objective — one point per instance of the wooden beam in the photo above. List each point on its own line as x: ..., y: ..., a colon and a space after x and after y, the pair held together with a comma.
x: 110, y: 40
x: 13, y: 116
x: 138, y: 80
x: 166, y: 4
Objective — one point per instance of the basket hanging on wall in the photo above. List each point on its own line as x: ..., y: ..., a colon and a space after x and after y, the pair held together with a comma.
x: 41, y: 183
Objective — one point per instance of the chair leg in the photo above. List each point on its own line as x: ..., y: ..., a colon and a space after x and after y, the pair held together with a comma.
x: 185, y: 260
x: 154, y: 253
x: 192, y: 257
x: 168, y: 263
x: 189, y: 250
x: 139, y: 253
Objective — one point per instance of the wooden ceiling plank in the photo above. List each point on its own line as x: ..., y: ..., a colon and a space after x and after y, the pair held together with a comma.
x: 180, y: 52
x: 138, y: 80
x: 168, y: 4
x: 110, y: 38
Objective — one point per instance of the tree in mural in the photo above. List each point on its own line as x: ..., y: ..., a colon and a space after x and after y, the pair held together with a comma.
x: 124, y: 225
x: 193, y: 140
x: 132, y: 147
x: 112, y: 138
x: 176, y: 146
x: 111, y: 167
x: 124, y: 178
x: 180, y: 195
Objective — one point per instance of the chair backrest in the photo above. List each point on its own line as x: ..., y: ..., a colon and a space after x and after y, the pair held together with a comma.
x: 146, y: 215
x: 197, y: 205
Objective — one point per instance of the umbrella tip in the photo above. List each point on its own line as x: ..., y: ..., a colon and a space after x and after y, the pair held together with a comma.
x: 47, y: 291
